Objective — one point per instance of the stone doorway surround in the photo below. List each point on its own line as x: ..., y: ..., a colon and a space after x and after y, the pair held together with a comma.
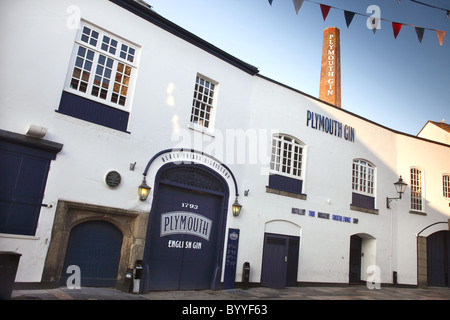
x: 132, y: 224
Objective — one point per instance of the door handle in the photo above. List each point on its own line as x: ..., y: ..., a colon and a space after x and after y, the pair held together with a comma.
x: 285, y: 258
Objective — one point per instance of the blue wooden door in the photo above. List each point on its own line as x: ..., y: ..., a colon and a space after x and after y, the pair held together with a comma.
x: 23, y: 176
x: 183, y: 246
x: 438, y: 259
x: 280, y: 260
x: 274, y: 265
x: 292, y: 266
x: 95, y: 247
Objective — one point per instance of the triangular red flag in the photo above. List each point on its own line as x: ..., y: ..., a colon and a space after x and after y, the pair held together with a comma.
x: 396, y: 27
x: 440, y: 35
x: 325, y: 9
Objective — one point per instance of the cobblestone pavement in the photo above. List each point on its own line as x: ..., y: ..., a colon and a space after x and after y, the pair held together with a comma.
x: 257, y: 293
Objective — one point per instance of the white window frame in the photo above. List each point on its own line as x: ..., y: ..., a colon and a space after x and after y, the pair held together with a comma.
x: 417, y: 183
x: 288, y: 156
x: 197, y: 116
x: 364, y: 177
x: 446, y: 185
x: 118, y: 82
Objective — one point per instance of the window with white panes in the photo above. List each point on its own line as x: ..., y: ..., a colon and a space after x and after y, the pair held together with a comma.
x: 446, y: 185
x: 203, y: 102
x: 102, y: 68
x: 287, y: 155
x: 363, y: 177
x: 416, y: 189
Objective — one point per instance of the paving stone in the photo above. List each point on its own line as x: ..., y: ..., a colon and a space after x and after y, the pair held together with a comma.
x: 257, y: 293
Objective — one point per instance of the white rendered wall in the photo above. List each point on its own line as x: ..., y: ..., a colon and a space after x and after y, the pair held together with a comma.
x: 247, y: 106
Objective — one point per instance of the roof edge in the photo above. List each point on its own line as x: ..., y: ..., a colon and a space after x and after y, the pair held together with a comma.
x: 351, y: 113
x: 150, y: 15
x: 146, y: 13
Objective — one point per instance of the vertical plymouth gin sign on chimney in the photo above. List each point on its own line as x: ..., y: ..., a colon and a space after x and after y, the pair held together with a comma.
x: 330, y: 75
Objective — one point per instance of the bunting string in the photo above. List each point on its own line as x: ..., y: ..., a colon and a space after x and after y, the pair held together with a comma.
x: 430, y: 6
x: 374, y: 22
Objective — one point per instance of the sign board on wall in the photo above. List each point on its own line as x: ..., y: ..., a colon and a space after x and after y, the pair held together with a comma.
x: 231, y: 258
x: 329, y: 125
x: 324, y: 215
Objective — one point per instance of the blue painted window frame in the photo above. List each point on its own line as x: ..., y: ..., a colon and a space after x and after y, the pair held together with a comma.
x: 284, y: 183
x: 363, y: 201
x: 88, y: 110
x: 363, y: 183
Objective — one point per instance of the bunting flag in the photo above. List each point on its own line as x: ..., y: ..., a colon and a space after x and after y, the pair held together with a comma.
x: 440, y: 35
x: 325, y: 9
x: 419, y: 32
x: 297, y: 5
x: 374, y: 25
x: 348, y: 17
x: 374, y: 22
x: 396, y: 27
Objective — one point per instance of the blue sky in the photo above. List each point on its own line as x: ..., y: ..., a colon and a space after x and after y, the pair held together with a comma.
x: 399, y: 83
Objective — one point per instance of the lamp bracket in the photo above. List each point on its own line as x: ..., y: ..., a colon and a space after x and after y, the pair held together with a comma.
x: 389, y: 200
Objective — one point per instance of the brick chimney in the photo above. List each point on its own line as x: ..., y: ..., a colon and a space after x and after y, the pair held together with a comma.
x: 330, y: 74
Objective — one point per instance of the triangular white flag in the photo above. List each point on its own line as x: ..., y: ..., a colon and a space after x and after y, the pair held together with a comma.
x: 297, y: 5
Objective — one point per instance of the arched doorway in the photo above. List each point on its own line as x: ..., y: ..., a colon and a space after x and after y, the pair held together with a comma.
x: 185, y: 235
x: 362, y: 255
x: 94, y: 246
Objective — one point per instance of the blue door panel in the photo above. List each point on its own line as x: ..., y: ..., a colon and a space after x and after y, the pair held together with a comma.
x: 438, y: 259
x: 273, y: 273
x: 280, y: 260
x: 22, y: 185
x: 182, y: 260
x: 95, y: 247
x: 292, y: 266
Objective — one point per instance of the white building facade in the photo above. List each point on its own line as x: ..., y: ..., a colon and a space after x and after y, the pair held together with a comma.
x: 98, y: 95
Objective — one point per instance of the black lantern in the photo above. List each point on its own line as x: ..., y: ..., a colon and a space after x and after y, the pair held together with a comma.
x: 400, y: 186
x: 236, y: 208
x: 144, y: 190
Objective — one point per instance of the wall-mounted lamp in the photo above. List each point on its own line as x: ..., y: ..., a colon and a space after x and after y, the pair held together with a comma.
x: 236, y: 208
x: 143, y: 190
x: 400, y: 186
x: 36, y: 131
